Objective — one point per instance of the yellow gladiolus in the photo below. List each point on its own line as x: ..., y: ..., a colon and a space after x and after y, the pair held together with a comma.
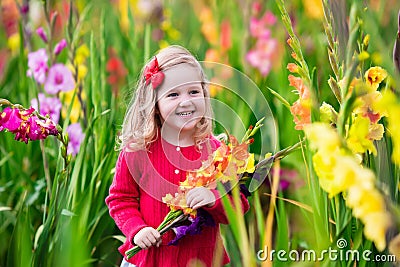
x: 14, y: 42
x: 82, y: 53
x: 76, y: 106
x: 376, y: 131
x: 369, y: 205
x: 322, y: 137
x: 323, y: 167
x: 390, y: 106
x: 374, y: 76
x: 358, y: 140
x: 375, y: 228
x: 249, y: 166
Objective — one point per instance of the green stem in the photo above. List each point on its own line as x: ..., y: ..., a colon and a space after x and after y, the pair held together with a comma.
x: 45, y: 167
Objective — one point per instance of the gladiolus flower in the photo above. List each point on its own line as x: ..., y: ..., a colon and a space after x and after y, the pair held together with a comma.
x: 358, y: 140
x: 390, y: 106
x: 261, y: 56
x: 76, y: 136
x: 117, y: 71
x: 37, y: 64
x: 10, y: 119
x: 369, y: 205
x: 208, y: 26
x: 365, y: 106
x: 339, y: 172
x: 48, y: 106
x: 82, y: 53
x: 322, y: 137
x: 293, y: 68
x: 374, y: 76
x: 59, y: 79
x: 76, y: 111
x: 9, y: 16
x: 226, y: 42
x: 259, y: 27
x: 376, y: 131
x: 313, y: 9
x: 300, y: 109
x: 25, y: 125
x: 297, y: 82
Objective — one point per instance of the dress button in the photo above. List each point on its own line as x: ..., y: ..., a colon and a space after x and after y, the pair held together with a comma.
x: 176, y: 171
x: 178, y: 148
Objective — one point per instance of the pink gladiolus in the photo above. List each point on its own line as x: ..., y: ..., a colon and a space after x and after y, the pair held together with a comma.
x: 25, y: 125
x: 48, y: 106
x: 76, y: 137
x: 10, y: 119
x: 60, y: 46
x: 42, y: 34
x: 261, y: 56
x: 259, y: 27
x: 59, y: 79
x: 37, y: 64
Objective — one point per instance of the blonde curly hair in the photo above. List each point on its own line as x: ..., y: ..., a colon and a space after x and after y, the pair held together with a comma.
x: 141, y: 121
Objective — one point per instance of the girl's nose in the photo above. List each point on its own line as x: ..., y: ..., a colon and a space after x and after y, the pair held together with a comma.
x: 185, y: 103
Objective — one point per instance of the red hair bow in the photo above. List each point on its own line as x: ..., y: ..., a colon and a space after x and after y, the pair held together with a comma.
x: 153, y: 74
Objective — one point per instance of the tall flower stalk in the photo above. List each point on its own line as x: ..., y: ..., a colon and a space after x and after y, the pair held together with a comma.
x: 346, y: 139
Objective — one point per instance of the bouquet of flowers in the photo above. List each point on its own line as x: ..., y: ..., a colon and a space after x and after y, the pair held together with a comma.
x: 227, y: 164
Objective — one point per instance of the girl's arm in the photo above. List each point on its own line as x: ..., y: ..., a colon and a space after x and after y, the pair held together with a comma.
x: 123, y: 200
x: 217, y: 210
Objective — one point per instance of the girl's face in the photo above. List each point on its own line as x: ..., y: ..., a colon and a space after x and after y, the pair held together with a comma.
x: 180, y: 101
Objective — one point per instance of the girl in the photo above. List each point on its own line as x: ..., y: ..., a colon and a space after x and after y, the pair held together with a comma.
x: 167, y: 130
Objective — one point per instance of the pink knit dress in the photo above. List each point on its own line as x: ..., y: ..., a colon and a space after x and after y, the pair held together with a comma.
x: 141, y: 179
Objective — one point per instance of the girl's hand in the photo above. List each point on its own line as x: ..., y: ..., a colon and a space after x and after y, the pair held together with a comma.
x: 147, y: 237
x: 199, y: 197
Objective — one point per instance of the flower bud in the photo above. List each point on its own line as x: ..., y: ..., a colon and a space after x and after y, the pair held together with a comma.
x: 366, y: 41
x: 60, y: 46
x: 42, y: 34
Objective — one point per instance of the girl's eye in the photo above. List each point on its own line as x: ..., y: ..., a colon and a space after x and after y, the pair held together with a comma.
x: 195, y: 92
x: 172, y: 95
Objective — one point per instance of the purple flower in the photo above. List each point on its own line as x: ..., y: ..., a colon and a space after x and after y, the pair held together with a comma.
x: 25, y: 9
x: 10, y: 119
x: 76, y: 137
x: 48, y: 105
x: 37, y: 64
x: 202, y: 219
x: 25, y: 125
x: 59, y: 79
x: 60, y: 46
x: 42, y: 34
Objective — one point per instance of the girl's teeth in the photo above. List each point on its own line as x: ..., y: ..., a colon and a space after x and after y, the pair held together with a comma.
x: 185, y: 113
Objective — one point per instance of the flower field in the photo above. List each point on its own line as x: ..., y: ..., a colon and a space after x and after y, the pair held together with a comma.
x: 324, y: 75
